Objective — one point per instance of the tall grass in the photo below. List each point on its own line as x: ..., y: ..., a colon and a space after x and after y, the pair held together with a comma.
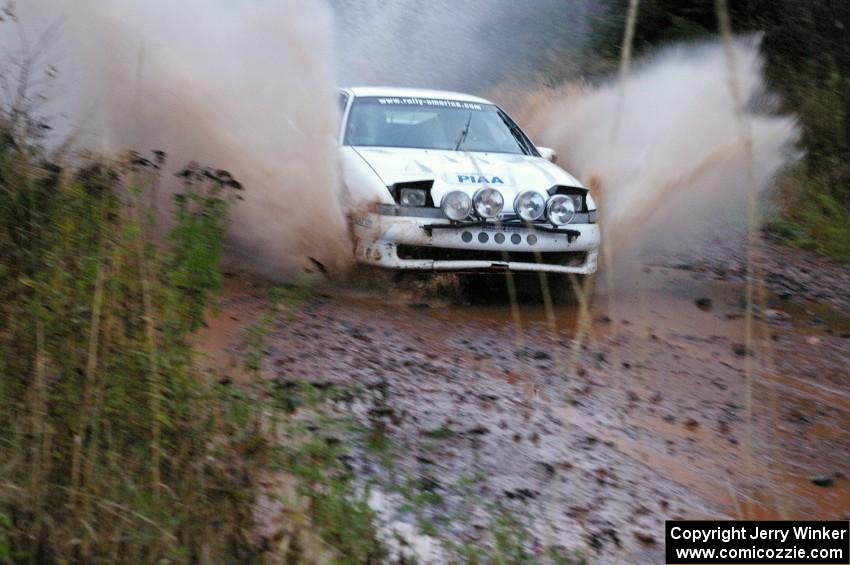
x: 812, y: 215
x: 112, y: 446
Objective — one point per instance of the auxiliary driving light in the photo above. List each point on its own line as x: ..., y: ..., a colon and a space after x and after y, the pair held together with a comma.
x: 456, y: 205
x: 560, y: 210
x: 488, y: 202
x: 529, y: 205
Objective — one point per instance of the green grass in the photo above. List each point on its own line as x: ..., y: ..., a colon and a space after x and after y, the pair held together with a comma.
x: 508, y: 544
x: 811, y: 217
x: 507, y: 539
x: 282, y: 299
x: 338, y: 511
x: 443, y: 432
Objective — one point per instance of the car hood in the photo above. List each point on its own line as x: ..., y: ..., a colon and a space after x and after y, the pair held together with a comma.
x: 466, y: 171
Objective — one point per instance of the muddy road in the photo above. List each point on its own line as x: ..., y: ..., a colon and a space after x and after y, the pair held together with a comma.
x: 591, y: 427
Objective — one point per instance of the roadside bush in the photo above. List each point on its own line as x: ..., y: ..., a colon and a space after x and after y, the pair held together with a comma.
x: 112, y: 446
x: 812, y: 215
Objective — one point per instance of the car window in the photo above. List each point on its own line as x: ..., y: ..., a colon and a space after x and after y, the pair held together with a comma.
x: 432, y: 124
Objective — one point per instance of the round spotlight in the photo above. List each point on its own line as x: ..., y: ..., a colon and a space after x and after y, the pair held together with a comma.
x: 488, y: 202
x: 529, y: 205
x: 456, y: 205
x: 560, y: 210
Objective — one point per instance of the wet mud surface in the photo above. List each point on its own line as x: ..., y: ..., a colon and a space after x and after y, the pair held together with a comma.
x: 593, y: 429
x: 786, y: 272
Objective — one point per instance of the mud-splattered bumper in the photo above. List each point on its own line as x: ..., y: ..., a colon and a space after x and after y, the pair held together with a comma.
x: 401, y: 242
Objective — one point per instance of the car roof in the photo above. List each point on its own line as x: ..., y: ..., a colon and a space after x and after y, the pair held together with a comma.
x: 413, y: 93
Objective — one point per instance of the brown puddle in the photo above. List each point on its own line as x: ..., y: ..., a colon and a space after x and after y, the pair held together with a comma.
x: 660, y: 301
x: 799, y: 498
x: 241, y: 303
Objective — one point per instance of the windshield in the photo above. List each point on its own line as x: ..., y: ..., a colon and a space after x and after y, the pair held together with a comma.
x: 426, y: 123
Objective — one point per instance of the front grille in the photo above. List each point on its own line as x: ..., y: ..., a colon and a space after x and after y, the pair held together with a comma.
x: 563, y: 258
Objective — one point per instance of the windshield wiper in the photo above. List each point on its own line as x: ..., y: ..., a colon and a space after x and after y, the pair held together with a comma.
x: 464, y: 132
x: 524, y: 143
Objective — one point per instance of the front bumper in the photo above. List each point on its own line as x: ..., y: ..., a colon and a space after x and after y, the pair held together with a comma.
x: 403, y: 242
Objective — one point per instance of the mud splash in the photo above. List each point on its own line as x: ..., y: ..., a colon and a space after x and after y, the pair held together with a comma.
x: 664, y: 149
x: 243, y: 86
x: 250, y: 88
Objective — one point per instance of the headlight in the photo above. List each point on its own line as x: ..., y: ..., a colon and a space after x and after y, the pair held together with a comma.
x: 560, y: 210
x: 412, y: 197
x: 456, y: 205
x: 488, y: 202
x: 529, y: 205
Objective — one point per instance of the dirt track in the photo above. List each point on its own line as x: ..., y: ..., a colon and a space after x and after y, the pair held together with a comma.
x: 654, y: 417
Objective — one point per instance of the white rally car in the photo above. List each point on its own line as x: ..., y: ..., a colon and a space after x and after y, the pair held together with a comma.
x: 446, y: 181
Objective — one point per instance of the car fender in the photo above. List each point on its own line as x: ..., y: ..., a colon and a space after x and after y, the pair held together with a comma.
x: 363, y: 185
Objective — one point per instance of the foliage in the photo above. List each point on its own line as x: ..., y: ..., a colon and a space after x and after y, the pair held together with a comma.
x: 338, y: 511
x: 509, y: 544
x: 5, y: 549
x: 442, y: 432
x: 812, y: 218
x: 111, y: 442
x: 197, y: 235
x: 507, y: 539
x: 659, y: 22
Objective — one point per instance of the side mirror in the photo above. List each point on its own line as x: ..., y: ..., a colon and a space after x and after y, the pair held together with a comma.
x: 548, y: 153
